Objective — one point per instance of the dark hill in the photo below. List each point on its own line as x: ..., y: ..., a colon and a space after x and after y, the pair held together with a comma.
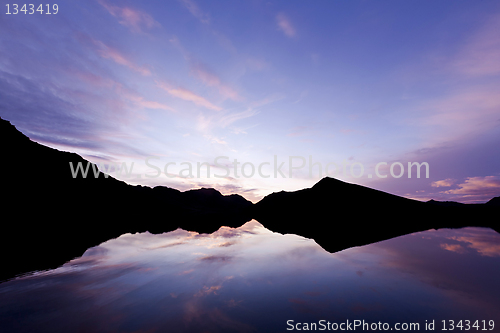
x: 49, y: 217
x: 494, y: 202
x: 339, y: 215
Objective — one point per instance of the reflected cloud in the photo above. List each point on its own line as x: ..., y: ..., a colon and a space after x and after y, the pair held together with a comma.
x: 232, y: 279
x: 453, y: 247
x: 485, y: 243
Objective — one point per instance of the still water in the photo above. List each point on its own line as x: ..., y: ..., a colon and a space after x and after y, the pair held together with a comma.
x: 250, y: 279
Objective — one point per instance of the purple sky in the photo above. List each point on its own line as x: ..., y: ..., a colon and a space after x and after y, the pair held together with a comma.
x: 189, y: 81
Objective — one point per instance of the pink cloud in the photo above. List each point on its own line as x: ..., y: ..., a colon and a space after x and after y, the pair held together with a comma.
x: 475, y: 107
x: 453, y: 247
x: 101, y: 83
x: 443, y: 183
x: 285, y: 25
x: 133, y: 19
x: 461, y: 114
x: 188, y: 95
x: 202, y: 73
x: 480, y: 56
x: 142, y: 103
x: 212, y: 80
x: 110, y: 53
x: 486, y: 246
x: 478, y: 188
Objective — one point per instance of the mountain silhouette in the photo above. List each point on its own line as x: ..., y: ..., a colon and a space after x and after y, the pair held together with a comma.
x: 494, y: 202
x: 49, y: 217
x: 339, y: 215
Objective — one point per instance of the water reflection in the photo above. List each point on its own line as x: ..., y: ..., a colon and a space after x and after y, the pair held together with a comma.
x: 250, y: 279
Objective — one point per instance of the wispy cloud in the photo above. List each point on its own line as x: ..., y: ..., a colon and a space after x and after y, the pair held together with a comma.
x: 109, y: 53
x: 143, y: 103
x: 201, y: 72
x: 223, y: 120
x: 471, y: 104
x: 188, y: 95
x: 227, y: 118
x: 285, y: 25
x: 231, y: 118
x: 480, y: 56
x: 196, y: 11
x: 79, y: 120
x: 463, y: 113
x: 215, y: 139
x: 133, y: 19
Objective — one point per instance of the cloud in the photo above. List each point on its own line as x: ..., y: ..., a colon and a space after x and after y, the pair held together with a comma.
x: 210, y: 79
x: 202, y: 73
x: 443, y: 183
x: 486, y: 246
x: 52, y: 115
x: 480, y: 56
x: 188, y: 95
x: 472, y: 104
x: 223, y: 120
x: 453, y: 247
x: 109, y: 53
x: 196, y: 11
x: 142, y: 103
x: 480, y: 188
x: 231, y: 118
x: 133, y: 19
x: 215, y: 139
x: 153, y: 105
x: 285, y: 25
x: 461, y: 115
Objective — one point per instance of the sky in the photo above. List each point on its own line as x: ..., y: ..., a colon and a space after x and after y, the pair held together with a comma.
x: 280, y: 88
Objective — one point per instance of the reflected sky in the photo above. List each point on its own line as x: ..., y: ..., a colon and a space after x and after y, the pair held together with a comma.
x: 250, y: 279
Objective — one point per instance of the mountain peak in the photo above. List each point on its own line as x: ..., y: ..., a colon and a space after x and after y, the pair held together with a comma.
x: 494, y: 202
x: 328, y: 182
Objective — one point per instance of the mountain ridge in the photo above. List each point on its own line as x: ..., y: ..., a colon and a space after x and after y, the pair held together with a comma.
x: 58, y: 217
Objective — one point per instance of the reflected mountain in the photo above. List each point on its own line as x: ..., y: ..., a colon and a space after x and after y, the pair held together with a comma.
x: 339, y: 215
x: 249, y: 279
x: 55, y: 217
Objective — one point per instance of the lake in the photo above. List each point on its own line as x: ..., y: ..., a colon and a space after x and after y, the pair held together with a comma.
x: 249, y: 279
